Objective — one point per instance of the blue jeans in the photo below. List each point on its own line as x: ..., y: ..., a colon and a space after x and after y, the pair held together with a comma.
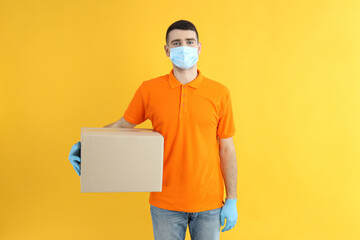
x: 172, y: 225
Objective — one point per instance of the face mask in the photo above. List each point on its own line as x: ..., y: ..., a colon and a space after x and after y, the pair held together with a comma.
x: 184, y: 57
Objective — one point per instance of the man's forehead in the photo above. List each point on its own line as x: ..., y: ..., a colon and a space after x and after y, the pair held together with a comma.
x: 179, y: 33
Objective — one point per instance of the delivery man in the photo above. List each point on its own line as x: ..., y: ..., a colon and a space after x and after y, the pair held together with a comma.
x: 194, y: 114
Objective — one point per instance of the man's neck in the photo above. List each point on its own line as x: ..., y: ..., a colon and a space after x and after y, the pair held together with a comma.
x: 185, y: 76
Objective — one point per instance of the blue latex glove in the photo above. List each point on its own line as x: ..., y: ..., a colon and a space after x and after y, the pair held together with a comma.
x: 74, y: 157
x: 229, y: 212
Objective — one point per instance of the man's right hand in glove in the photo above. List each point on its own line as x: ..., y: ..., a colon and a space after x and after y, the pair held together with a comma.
x: 74, y: 157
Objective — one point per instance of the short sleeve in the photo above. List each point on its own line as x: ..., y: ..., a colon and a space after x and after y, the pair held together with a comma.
x: 226, y: 125
x: 135, y: 112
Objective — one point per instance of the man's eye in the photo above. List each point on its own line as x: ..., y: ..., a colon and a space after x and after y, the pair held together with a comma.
x: 175, y: 43
x: 190, y: 42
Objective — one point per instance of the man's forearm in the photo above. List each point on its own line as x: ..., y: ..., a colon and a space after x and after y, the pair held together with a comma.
x: 228, y: 166
x: 121, y: 123
x: 113, y: 125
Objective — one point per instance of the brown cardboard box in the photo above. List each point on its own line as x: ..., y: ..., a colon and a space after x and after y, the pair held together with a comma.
x: 121, y: 160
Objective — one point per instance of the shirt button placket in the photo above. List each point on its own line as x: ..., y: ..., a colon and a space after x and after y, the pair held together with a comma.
x: 182, y: 100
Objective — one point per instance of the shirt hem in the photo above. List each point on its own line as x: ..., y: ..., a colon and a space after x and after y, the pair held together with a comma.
x: 189, y: 210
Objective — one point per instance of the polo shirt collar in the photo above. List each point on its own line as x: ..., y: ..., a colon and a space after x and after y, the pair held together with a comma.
x: 194, y: 83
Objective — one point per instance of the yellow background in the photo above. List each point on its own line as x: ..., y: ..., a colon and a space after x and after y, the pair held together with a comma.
x: 293, y: 71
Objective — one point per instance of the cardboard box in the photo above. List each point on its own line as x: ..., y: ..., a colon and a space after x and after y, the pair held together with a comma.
x: 121, y: 160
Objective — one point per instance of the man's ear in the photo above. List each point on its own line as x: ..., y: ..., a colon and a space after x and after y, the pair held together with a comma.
x: 199, y: 46
x: 167, y: 50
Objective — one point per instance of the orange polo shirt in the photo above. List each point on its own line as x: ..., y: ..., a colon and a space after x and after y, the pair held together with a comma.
x: 190, y: 117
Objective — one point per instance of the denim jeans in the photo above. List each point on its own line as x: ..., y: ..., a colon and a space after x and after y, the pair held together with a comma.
x: 172, y: 225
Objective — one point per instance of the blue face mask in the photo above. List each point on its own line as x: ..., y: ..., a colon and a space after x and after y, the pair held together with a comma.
x: 184, y: 57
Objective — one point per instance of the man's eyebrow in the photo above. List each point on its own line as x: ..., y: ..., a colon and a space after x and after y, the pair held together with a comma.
x: 178, y: 40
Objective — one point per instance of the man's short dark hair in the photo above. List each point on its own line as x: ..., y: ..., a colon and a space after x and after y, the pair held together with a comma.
x: 183, y: 25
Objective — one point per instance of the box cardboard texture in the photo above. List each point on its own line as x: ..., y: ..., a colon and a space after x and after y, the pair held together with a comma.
x: 121, y: 160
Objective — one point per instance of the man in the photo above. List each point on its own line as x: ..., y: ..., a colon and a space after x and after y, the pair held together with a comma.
x: 194, y: 114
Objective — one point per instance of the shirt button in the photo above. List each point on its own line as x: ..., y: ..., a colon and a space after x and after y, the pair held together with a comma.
x: 183, y: 95
x: 184, y: 86
x: 183, y: 104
